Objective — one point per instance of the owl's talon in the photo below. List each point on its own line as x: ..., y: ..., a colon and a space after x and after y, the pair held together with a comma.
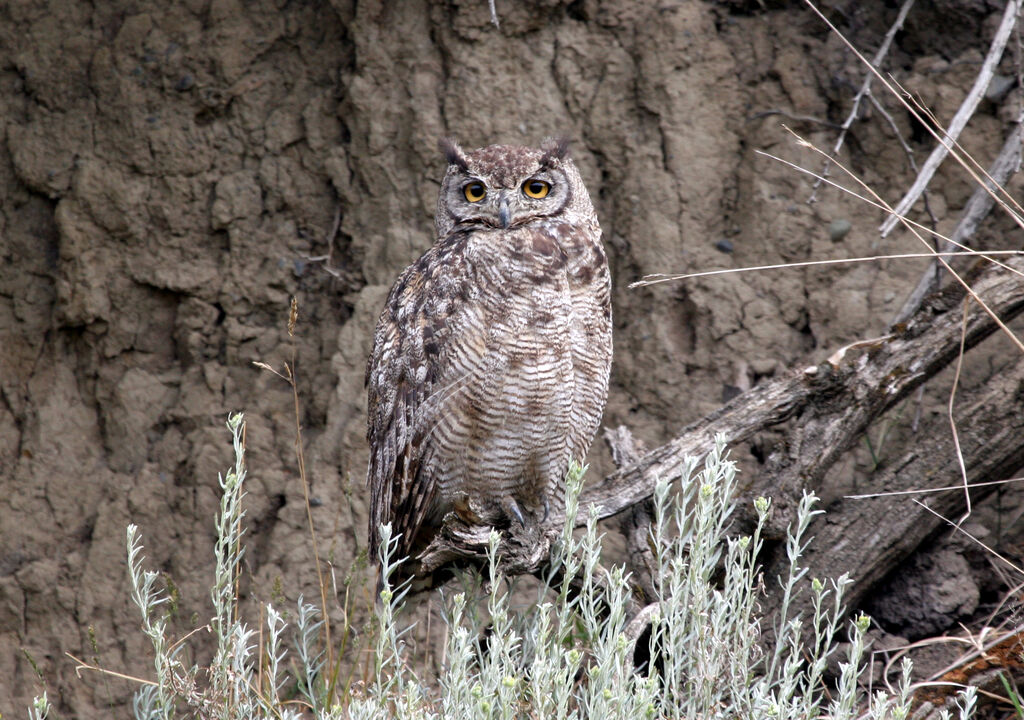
x: 513, y: 512
x: 547, y: 508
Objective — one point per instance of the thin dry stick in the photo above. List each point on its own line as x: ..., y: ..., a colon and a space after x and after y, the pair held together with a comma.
x: 1010, y: 595
x: 926, y: 491
x: 907, y: 151
x: 978, y: 651
x: 792, y: 116
x: 1019, y: 67
x: 293, y: 316
x: 83, y: 665
x: 995, y: 318
x: 980, y: 647
x: 657, y: 278
x: 968, y: 164
x: 973, y: 539
x: 865, y: 89
x: 959, y: 121
x: 891, y: 122
x: 949, y: 409
x: 987, y: 255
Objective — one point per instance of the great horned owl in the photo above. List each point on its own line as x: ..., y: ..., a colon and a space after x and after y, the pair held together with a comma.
x: 490, y: 361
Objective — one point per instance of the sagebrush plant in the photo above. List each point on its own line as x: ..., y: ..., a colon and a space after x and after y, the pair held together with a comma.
x: 566, y: 656
x: 243, y: 680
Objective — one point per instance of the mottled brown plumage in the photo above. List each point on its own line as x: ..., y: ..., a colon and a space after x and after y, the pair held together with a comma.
x: 489, y: 370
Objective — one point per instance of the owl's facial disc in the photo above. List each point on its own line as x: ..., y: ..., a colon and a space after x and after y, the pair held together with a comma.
x: 503, y: 186
x: 509, y: 204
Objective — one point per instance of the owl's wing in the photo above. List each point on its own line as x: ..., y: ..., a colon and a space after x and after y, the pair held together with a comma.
x: 430, y: 343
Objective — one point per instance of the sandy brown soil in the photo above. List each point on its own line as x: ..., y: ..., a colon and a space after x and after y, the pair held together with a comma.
x: 170, y: 175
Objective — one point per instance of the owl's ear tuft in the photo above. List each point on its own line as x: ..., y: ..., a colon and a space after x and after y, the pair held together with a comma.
x: 555, y: 148
x: 453, y: 153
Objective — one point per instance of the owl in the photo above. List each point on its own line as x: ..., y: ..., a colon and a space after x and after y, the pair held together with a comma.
x: 490, y: 362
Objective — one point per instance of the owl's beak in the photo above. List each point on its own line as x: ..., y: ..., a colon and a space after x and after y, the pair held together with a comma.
x: 504, y: 214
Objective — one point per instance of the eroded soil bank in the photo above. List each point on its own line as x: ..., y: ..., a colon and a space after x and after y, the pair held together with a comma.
x: 172, y: 173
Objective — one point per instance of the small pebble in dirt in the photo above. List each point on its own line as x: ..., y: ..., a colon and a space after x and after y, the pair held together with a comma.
x: 838, y: 229
x: 185, y: 82
x: 999, y: 87
x: 724, y: 246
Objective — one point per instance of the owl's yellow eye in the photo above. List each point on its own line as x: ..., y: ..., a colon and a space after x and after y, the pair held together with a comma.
x: 536, y: 188
x: 475, y: 191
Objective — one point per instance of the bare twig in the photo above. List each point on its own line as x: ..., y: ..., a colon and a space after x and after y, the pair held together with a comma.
x: 966, y: 162
x: 956, y: 526
x: 794, y: 117
x: 289, y: 375
x: 949, y: 410
x: 657, y: 278
x: 293, y: 317
x: 906, y: 151
x: 891, y: 122
x: 330, y: 238
x: 865, y: 90
x: 925, y: 491
x: 959, y: 120
x: 83, y: 665
x: 977, y: 208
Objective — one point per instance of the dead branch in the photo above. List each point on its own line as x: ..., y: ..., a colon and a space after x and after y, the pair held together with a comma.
x: 977, y: 208
x: 835, y: 401
x: 865, y: 90
x: 868, y: 538
x: 959, y: 121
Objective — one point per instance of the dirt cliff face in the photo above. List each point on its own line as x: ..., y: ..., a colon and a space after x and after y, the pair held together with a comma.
x: 172, y: 173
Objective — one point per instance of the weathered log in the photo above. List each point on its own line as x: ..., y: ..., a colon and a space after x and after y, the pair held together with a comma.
x: 831, y: 403
x: 869, y: 537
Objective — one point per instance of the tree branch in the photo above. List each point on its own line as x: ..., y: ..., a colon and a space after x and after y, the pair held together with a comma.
x: 868, y: 538
x: 835, y: 401
x: 959, y: 120
x: 978, y: 206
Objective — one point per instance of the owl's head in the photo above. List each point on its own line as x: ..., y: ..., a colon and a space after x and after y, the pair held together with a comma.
x: 502, y: 186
